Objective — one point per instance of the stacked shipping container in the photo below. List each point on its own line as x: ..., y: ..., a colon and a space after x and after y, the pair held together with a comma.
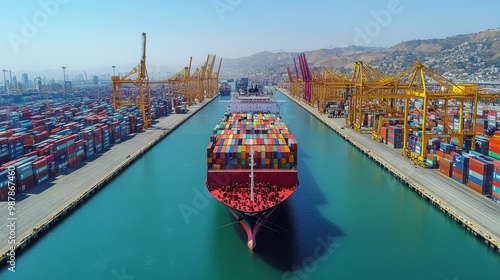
x: 240, y: 134
x: 40, y: 144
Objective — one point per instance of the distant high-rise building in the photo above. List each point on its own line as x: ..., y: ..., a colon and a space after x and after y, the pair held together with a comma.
x: 26, y: 82
x: 14, y: 82
x: 95, y: 80
x: 39, y: 84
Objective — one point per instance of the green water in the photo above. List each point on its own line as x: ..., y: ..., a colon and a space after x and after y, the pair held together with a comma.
x: 349, y: 219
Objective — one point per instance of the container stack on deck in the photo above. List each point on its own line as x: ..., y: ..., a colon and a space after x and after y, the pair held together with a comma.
x: 238, y: 134
x: 41, y: 144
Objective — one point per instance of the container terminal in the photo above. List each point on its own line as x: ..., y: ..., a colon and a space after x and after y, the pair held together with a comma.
x: 54, y: 147
x: 55, y: 155
x: 435, y: 135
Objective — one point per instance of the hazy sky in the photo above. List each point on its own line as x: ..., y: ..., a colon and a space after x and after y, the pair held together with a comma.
x: 83, y: 34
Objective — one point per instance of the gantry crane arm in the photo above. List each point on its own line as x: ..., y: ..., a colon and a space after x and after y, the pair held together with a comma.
x: 141, y: 81
x: 218, y: 69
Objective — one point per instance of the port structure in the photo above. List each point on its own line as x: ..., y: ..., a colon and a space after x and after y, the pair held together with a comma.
x: 333, y: 88
x: 133, y: 88
x: 295, y: 82
x: 202, y: 83
x: 373, y: 93
x: 306, y: 79
x: 326, y: 86
x: 428, y: 91
x: 416, y: 91
x: 213, y: 78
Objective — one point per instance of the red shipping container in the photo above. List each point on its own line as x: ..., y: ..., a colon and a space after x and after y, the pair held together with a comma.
x: 495, y: 194
x: 40, y: 162
x: 445, y: 167
x: 458, y: 173
x: 475, y: 187
x: 71, y: 149
x: 4, y: 193
x: 50, y: 158
x: 43, y: 152
x: 41, y: 175
x: 25, y: 184
x: 80, y: 158
x: 477, y: 166
x: 496, y: 183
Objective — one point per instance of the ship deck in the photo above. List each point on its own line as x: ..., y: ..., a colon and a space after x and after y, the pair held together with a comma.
x: 237, y: 196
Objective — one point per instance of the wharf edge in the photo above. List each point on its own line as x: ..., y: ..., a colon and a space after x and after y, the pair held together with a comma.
x: 491, y: 239
x: 39, y: 230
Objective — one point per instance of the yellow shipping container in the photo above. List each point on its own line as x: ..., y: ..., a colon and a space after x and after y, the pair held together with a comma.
x: 292, y: 158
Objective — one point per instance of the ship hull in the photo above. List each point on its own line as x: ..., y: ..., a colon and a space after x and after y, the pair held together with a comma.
x: 225, y: 92
x: 252, y: 223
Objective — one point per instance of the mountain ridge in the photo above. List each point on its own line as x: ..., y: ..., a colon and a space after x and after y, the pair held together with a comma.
x: 474, y: 56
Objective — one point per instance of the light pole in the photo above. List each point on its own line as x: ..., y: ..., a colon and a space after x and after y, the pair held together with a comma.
x: 64, y: 78
x: 114, y: 70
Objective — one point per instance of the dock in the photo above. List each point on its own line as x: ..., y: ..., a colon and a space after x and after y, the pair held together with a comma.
x: 476, y: 213
x: 40, y: 208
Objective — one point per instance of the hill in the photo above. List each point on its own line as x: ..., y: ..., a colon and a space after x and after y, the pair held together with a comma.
x: 471, y: 57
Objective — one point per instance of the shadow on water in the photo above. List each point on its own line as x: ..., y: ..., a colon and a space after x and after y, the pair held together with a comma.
x: 296, y: 233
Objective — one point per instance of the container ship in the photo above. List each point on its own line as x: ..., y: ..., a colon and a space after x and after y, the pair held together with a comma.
x: 225, y: 89
x: 252, y: 160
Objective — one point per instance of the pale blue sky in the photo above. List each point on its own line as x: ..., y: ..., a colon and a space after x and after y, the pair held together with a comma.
x: 83, y: 34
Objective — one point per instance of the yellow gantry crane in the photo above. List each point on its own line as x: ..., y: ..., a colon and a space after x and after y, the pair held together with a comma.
x: 419, y: 95
x: 203, y: 82
x: 213, y: 78
x: 295, y: 82
x: 429, y: 92
x: 334, y: 88
x: 140, y: 94
x: 374, y: 95
x: 179, y: 83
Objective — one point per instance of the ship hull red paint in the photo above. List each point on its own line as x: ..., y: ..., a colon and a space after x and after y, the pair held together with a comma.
x: 279, y: 177
x: 225, y: 92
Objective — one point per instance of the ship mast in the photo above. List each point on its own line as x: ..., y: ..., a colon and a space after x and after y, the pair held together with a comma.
x: 251, y: 173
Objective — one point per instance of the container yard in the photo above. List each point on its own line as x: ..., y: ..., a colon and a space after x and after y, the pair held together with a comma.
x: 65, y: 164
x: 460, y: 187
x: 40, y: 143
